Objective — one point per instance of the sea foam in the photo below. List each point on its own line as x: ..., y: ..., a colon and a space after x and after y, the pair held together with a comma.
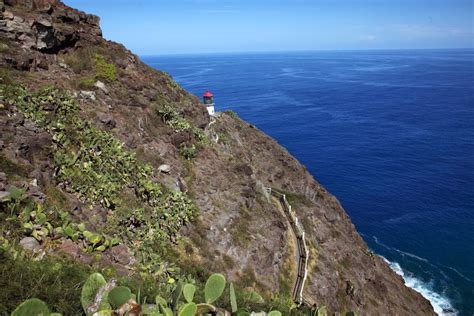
x: 441, y: 305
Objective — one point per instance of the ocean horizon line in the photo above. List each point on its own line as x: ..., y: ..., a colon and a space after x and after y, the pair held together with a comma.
x: 276, y: 52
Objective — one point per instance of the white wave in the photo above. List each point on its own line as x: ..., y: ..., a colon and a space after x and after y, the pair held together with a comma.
x: 458, y: 273
x: 404, y: 253
x: 441, y: 305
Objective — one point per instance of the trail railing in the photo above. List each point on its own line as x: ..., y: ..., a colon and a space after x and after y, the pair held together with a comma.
x: 303, y: 253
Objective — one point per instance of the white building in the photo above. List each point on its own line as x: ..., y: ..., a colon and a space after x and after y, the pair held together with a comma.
x: 208, y: 100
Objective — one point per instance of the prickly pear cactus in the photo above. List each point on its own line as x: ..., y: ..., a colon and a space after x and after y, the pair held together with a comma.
x: 233, y: 298
x: 215, y: 285
x: 90, y: 289
x: 188, y: 292
x: 31, y: 307
x: 188, y: 310
x: 119, y: 296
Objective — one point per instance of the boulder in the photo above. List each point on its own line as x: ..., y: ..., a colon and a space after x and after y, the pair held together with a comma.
x: 87, y: 95
x: 4, y: 195
x: 100, y: 85
x: 107, y: 120
x: 30, y: 244
x: 122, y: 255
x: 165, y: 168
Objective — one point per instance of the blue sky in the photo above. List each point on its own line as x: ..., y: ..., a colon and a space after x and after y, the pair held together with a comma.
x: 150, y: 27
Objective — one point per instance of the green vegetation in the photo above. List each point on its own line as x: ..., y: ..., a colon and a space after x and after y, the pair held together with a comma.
x: 31, y: 307
x: 188, y: 292
x: 90, y: 289
x: 86, y: 83
x: 55, y: 281
x: 173, y: 118
x: 188, y: 151
x: 240, y: 228
x: 178, y: 123
x: 89, y: 59
x: 119, y: 300
x: 3, y: 47
x: 287, y: 275
x: 12, y: 169
x: 231, y: 114
x: 79, y: 60
x: 214, y: 287
x: 58, y: 281
x: 103, y: 69
x: 95, y: 165
x: 47, y: 224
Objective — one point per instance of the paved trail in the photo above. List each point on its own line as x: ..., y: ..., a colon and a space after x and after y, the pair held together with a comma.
x: 302, y: 249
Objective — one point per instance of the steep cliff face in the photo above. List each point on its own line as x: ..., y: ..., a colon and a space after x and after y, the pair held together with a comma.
x: 224, y: 166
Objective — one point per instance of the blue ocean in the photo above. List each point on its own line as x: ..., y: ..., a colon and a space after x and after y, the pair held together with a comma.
x: 389, y: 133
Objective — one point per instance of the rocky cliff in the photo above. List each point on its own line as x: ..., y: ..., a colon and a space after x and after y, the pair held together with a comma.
x: 198, y: 184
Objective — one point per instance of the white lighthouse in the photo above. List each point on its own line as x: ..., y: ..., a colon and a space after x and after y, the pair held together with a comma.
x: 208, y: 100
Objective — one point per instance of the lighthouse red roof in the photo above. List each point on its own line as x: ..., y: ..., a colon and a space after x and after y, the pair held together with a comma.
x: 208, y: 94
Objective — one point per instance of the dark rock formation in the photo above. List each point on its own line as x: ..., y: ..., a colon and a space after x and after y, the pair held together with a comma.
x: 54, y: 28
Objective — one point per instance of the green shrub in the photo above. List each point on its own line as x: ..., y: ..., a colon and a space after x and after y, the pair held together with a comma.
x: 231, y: 114
x: 80, y: 59
x: 4, y: 47
x: 188, y: 151
x: 12, y: 169
x: 104, y: 70
x: 173, y: 118
x: 86, y: 83
x: 56, y: 281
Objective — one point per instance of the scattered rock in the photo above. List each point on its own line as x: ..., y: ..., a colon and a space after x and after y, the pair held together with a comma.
x: 3, y: 176
x: 8, y: 15
x: 165, y: 168
x: 122, y: 255
x: 34, y: 182
x: 71, y: 248
x: 35, y: 192
x: 20, y: 62
x: 87, y: 95
x: 63, y: 65
x: 4, y: 195
x: 30, y: 244
x: 30, y: 126
x: 183, y: 187
x: 100, y: 85
x: 49, y: 106
x: 44, y: 20
x: 107, y: 120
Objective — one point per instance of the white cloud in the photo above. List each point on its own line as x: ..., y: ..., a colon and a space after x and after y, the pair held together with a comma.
x: 423, y: 31
x: 367, y: 38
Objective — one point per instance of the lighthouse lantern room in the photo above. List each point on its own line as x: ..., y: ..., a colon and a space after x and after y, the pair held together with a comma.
x: 208, y: 100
